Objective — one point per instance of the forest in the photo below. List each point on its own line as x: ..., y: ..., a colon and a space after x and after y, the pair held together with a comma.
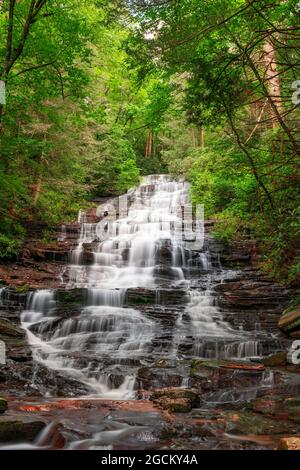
x: 128, y: 321
x: 99, y: 93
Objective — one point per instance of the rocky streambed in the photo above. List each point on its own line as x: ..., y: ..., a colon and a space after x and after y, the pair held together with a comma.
x: 200, y: 358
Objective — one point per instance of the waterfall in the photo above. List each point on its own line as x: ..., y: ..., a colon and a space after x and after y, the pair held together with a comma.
x: 99, y: 346
x: 2, y: 289
x: 38, y: 306
x: 106, y: 341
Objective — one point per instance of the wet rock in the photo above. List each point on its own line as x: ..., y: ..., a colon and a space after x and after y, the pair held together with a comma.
x: 204, y: 367
x: 289, y: 443
x: 86, y: 258
x: 57, y: 252
x: 8, y: 329
x: 265, y: 405
x: 20, y: 354
x: 290, y: 321
x: 208, y: 368
x: 145, y: 377
x: 142, y: 296
x: 177, y: 400
x: 204, y: 374
x: 175, y: 405
x: 30, y: 274
x: 68, y: 297
x: 161, y: 375
x: 15, y: 341
x: 166, y: 272
x: 18, y: 431
x: 243, y: 366
x: 34, y: 378
x: 164, y: 253
x: 249, y: 423
x: 276, y: 406
x: 277, y: 359
x: 3, y: 405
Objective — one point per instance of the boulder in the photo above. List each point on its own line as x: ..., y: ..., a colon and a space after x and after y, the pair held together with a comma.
x: 178, y: 405
x: 8, y: 329
x: 277, y: 359
x: 249, y: 423
x: 176, y: 400
x: 290, y: 321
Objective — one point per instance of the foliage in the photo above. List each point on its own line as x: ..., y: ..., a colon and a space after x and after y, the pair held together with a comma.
x: 100, y: 93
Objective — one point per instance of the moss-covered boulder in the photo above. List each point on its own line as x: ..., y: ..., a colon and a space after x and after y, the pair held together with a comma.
x: 277, y: 359
x: 245, y: 423
x: 176, y: 400
x: 9, y: 330
x: 204, y: 368
x: 175, y: 393
x: 178, y: 405
x: 289, y: 321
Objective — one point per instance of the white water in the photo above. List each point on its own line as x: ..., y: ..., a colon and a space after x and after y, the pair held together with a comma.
x: 103, y: 345
x: 126, y: 258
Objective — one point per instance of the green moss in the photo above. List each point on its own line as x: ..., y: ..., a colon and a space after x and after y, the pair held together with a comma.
x: 197, y: 365
x: 23, y: 289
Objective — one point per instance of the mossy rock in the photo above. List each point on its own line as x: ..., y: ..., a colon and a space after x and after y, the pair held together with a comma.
x: 249, y: 423
x: 178, y: 405
x: 277, y: 359
x: 8, y: 329
x: 72, y: 296
x: 144, y: 373
x: 290, y: 320
x: 3, y: 405
x: 18, y: 431
x: 163, y: 364
x: 204, y: 368
x: 23, y: 289
x: 140, y: 299
x: 176, y: 393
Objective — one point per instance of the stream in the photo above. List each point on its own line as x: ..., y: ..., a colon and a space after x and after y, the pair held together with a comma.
x: 137, y: 305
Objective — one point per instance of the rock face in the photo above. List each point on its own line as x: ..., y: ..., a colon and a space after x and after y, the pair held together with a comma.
x: 289, y: 322
x: 277, y: 359
x: 175, y: 400
x: 243, y: 423
x: 14, y: 338
x: 216, y: 387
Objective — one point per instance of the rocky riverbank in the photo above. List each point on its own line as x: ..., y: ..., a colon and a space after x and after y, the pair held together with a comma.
x: 184, y: 403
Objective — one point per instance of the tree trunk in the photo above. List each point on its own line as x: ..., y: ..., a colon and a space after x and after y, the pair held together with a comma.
x: 202, y: 137
x: 148, y: 148
x: 37, y: 191
x: 272, y: 78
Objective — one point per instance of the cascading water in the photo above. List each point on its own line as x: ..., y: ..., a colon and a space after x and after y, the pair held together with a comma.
x: 104, y: 344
